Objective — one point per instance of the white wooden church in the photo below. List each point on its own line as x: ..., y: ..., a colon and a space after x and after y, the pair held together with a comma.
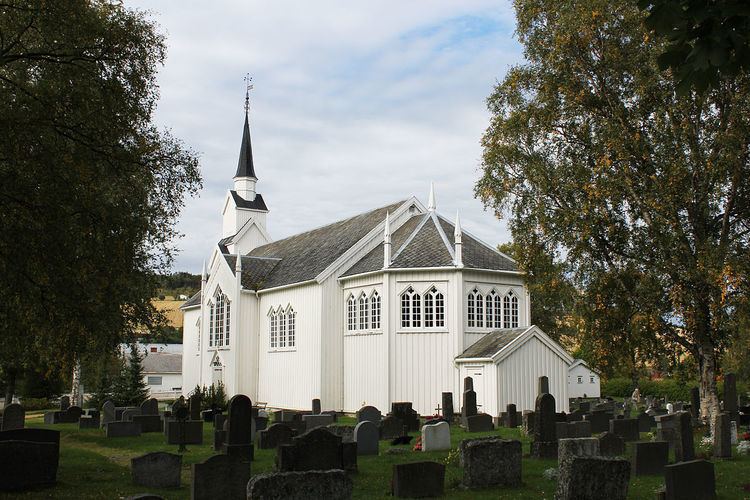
x: 394, y: 304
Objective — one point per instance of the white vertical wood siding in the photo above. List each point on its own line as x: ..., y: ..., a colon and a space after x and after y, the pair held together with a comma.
x: 291, y: 379
x: 585, y: 388
x: 518, y: 374
x: 247, y: 344
x: 190, y: 352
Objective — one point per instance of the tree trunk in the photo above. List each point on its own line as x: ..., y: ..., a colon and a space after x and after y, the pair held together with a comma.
x: 709, y: 394
x: 10, y: 388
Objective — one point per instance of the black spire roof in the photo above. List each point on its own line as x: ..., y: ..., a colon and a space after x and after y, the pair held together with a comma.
x: 245, y: 167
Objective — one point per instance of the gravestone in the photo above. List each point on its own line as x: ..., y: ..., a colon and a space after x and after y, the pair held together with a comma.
x: 544, y: 444
x: 491, y: 462
x: 418, y: 480
x: 722, y: 439
x: 645, y: 422
x: 512, y: 416
x: 391, y: 427
x: 468, y: 384
x: 543, y: 385
x: 650, y: 457
x: 593, y: 478
x: 568, y: 448
x: 275, y: 435
x: 730, y: 396
x: 239, y: 437
x: 611, y: 445
x: 64, y: 403
x: 108, y: 412
x: 579, y: 429
x: 693, y: 480
x: 313, y: 421
x: 346, y: 432
x: 404, y: 412
x: 88, y: 422
x: 447, y: 400
x: 479, y: 423
x: 349, y: 456
x: 469, y: 407
x: 70, y: 416
x: 220, y: 476
x: 194, y: 406
x: 436, y: 437
x: 367, y: 437
x: 150, y: 407
x: 219, y: 419
x: 122, y: 429
x: 695, y: 403
x: 129, y: 413
x: 149, y: 423
x: 27, y: 464
x: 317, y: 449
x: 182, y: 431
x: 527, y: 422
x: 329, y: 485
x: 316, y: 406
x: 684, y: 448
x: 14, y: 417
x: 626, y: 428
x: 599, y: 421
x: 370, y: 414
x: 156, y: 470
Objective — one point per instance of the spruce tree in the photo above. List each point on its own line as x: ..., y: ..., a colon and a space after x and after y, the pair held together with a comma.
x: 130, y: 388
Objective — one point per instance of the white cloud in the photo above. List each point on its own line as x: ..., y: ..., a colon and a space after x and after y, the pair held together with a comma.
x: 356, y: 104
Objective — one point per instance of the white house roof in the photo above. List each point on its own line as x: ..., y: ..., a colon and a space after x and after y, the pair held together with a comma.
x: 162, y: 362
x: 499, y: 344
x: 579, y: 362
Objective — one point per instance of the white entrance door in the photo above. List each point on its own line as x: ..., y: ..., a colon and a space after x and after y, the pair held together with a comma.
x: 217, y: 372
x: 477, y: 374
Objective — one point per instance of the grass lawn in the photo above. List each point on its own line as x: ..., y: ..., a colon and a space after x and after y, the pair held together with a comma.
x: 92, y: 466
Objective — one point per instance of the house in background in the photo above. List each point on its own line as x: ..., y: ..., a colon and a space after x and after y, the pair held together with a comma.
x: 583, y: 382
x: 162, y: 368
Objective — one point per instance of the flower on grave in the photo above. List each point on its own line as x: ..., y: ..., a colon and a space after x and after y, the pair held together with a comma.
x: 743, y: 448
x: 550, y: 474
x: 418, y: 444
x: 746, y: 436
x: 453, y: 457
x: 650, y: 436
x: 706, y: 445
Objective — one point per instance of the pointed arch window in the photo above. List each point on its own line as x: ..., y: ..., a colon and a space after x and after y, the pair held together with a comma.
x: 291, y: 328
x: 411, y: 309
x: 434, y: 309
x: 493, y: 307
x: 351, y: 313
x: 210, y: 324
x: 475, y: 309
x: 273, y: 329
x: 219, y: 320
x: 282, y: 328
x: 363, y: 312
x: 375, y: 311
x: 510, y: 310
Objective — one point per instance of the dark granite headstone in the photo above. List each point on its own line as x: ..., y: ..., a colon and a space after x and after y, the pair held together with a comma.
x: 156, y: 470
x: 149, y: 423
x: 418, y: 480
x: 183, y: 432
x: 367, y: 437
x: 684, y: 448
x: 27, y: 464
x: 239, y: 438
x: 391, y: 427
x: 329, y: 485
x: 349, y: 456
x: 469, y: 407
x: 150, y: 407
x: 122, y: 429
x: 645, y: 422
x: 468, y: 384
x: 316, y: 406
x: 108, y: 412
x: 722, y: 436
x: 543, y: 385
x: 512, y: 418
x: 447, y: 407
x: 626, y: 428
x: 88, y: 422
x: 491, y: 462
x: 317, y: 449
x: 544, y: 444
x: 194, y: 406
x: 650, y: 457
x: 481, y: 422
x: 369, y: 413
x: 599, y: 421
x: 129, y: 413
x: 527, y: 422
x: 219, y: 419
x: 275, y: 435
x: 693, y: 480
x: 404, y: 412
x: 220, y: 476
x: 593, y: 478
x: 14, y: 417
x: 611, y: 445
x: 319, y: 420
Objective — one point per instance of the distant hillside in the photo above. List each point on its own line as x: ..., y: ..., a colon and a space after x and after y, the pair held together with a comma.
x: 176, y: 284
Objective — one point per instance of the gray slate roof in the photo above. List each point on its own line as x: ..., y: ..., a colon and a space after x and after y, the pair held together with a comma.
x: 425, y: 247
x: 245, y: 166
x: 303, y: 256
x: 256, y: 204
x: 162, y: 362
x: 492, y: 343
x: 195, y: 300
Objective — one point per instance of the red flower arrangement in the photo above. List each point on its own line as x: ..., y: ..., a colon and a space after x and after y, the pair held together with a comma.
x: 418, y: 444
x: 746, y: 436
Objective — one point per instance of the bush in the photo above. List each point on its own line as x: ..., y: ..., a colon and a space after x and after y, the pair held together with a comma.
x: 30, y: 404
x: 674, y: 390
x: 619, y: 387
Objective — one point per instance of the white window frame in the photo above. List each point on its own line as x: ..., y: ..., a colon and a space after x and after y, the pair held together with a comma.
x: 410, y: 307
x: 375, y: 310
x: 475, y: 309
x: 434, y: 309
x: 291, y: 328
x: 351, y: 313
x: 273, y: 331
x: 363, y: 311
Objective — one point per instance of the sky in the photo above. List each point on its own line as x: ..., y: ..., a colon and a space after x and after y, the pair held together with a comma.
x: 355, y: 105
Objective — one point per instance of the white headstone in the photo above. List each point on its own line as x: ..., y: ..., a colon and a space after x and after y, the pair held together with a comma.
x: 436, y: 437
x: 670, y: 408
x: 733, y: 432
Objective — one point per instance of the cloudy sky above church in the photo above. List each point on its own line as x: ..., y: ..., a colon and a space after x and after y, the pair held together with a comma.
x: 355, y: 105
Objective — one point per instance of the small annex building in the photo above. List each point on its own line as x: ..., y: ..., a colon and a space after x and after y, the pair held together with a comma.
x: 583, y: 381
x: 506, y: 364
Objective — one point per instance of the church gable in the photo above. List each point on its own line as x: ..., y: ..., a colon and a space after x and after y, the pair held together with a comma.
x: 426, y: 247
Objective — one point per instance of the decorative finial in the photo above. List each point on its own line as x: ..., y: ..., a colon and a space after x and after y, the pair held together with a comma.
x: 431, y: 201
x: 238, y: 264
x: 457, y: 230
x: 387, y: 241
x: 459, y: 254
x: 387, y: 229
x: 204, y: 272
x: 249, y: 86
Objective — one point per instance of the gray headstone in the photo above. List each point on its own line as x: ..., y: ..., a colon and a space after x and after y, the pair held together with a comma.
x: 316, y: 406
x: 650, y: 457
x: 367, y: 437
x: 314, y: 421
x: 149, y: 423
x: 527, y: 422
x: 122, y: 429
x: 543, y: 385
x: 275, y: 435
x: 331, y: 485
x: 14, y: 417
x: 690, y: 480
x: 479, y: 423
x: 156, y: 470
x: 436, y: 437
x: 468, y: 384
x: 239, y: 438
x: 568, y: 448
x: 184, y: 431
x: 391, y: 427
x: 684, y: 448
x: 127, y: 415
x: 194, y: 407
x: 369, y: 413
x: 469, y: 407
x: 447, y: 407
x: 108, y: 412
x: 317, y: 449
x: 418, y: 480
x: 221, y: 476
x: 722, y: 436
x: 599, y: 421
x: 64, y: 403
x: 345, y: 432
x: 626, y: 428
x: 593, y: 478
x: 87, y: 422
x: 512, y: 418
x: 219, y: 420
x: 611, y: 445
x: 491, y: 462
x: 150, y: 407
x: 27, y: 464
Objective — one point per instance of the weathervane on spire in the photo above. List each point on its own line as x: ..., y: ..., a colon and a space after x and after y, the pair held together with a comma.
x: 249, y: 82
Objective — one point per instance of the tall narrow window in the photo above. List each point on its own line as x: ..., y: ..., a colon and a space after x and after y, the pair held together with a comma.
x: 198, y: 338
x: 470, y: 311
x: 282, y: 328
x: 475, y: 309
x: 351, y: 313
x: 226, y: 322
x: 506, y: 311
x: 434, y: 309
x: 490, y: 308
x: 411, y: 309
x: 210, y: 324
x: 429, y: 309
x: 480, y: 310
x: 219, y: 318
x: 291, y: 326
x: 439, y: 310
x: 273, y: 329
x: 513, y: 310
x: 375, y: 311
x: 363, y: 312
x: 498, y: 301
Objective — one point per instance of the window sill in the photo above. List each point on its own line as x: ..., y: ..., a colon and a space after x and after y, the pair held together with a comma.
x: 364, y: 333
x: 423, y: 330
x: 283, y: 349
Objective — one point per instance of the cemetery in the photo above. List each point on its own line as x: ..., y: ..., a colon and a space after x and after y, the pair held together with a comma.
x: 247, y: 451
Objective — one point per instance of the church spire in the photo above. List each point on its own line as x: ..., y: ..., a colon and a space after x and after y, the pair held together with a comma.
x: 431, y: 201
x: 245, y: 167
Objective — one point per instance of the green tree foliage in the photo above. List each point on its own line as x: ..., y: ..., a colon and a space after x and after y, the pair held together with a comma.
x: 706, y: 40
x: 213, y: 396
x: 102, y: 376
x: 179, y: 283
x: 129, y: 388
x: 90, y: 189
x: 593, y: 152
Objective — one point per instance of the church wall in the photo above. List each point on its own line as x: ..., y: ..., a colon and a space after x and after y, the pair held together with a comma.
x: 291, y: 378
x: 246, y: 346
x: 253, y: 238
x: 518, y: 374
x: 365, y: 378
x: 421, y: 363
x: 190, y: 350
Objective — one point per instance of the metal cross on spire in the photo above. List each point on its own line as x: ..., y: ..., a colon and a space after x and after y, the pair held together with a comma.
x: 249, y: 83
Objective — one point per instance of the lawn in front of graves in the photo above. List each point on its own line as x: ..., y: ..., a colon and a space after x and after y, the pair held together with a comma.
x: 93, y: 466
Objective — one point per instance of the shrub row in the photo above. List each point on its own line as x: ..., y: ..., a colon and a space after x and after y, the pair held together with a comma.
x: 674, y: 390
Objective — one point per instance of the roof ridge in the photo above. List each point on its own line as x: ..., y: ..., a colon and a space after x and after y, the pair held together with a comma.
x: 442, y: 234
x: 411, y: 236
x: 478, y: 240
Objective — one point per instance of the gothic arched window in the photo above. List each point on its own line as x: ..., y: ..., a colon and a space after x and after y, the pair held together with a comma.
x: 411, y: 309
x: 351, y: 313
x: 493, y: 307
x: 434, y: 309
x: 220, y: 309
x: 291, y: 327
x: 363, y: 312
x: 510, y: 310
x: 475, y: 309
x: 375, y: 311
